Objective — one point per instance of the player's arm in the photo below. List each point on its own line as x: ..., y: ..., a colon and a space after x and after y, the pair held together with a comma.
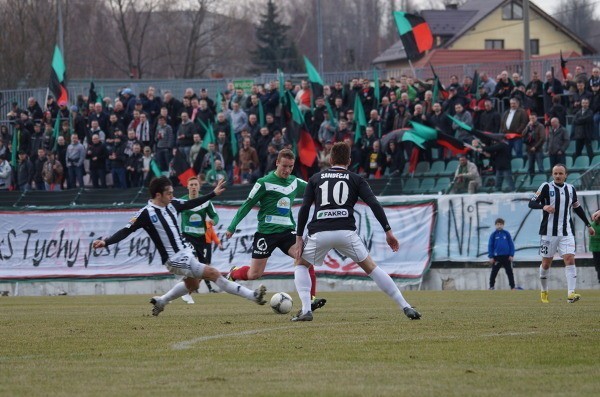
x: 212, y: 213
x: 140, y: 220
x: 193, y: 203
x: 253, y: 197
x: 367, y: 195
x: 581, y: 214
x: 539, y: 199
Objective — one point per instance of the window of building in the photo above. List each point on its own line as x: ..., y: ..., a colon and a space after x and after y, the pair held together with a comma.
x: 512, y: 11
x: 534, y: 46
x: 494, y: 44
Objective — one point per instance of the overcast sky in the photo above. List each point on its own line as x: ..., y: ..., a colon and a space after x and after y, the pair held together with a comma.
x: 550, y: 6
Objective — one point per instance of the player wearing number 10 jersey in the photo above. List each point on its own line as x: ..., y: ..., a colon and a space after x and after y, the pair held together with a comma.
x: 334, y: 192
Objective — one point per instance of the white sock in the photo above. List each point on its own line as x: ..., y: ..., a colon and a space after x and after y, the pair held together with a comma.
x: 571, y: 274
x: 234, y: 288
x: 303, y: 284
x: 177, y: 291
x: 387, y: 285
x: 544, y: 278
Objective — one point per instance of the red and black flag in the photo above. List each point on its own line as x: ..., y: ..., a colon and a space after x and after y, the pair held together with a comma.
x: 563, y: 66
x: 58, y: 83
x: 182, y: 168
x: 455, y: 145
x: 438, y: 88
x: 415, y: 34
x: 298, y: 134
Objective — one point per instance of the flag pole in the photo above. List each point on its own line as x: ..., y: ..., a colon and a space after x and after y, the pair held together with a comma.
x: 46, y: 99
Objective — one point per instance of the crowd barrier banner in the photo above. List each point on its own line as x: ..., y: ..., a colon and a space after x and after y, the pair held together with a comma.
x: 57, y: 244
x: 465, y: 222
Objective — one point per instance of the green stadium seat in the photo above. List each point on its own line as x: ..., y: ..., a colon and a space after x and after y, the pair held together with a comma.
x: 411, y: 186
x: 442, y: 184
x: 574, y: 179
x: 422, y: 167
x: 595, y: 160
x: 530, y: 186
x: 546, y: 163
x: 581, y: 163
x: 437, y: 168
x: 516, y: 165
x: 571, y: 148
x: 427, y: 186
x: 569, y: 162
x: 451, y: 167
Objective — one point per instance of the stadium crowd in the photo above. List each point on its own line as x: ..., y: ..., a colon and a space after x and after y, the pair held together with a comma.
x: 237, y: 134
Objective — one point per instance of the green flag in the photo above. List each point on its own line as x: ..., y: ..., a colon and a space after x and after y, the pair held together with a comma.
x: 209, y: 137
x: 155, y: 168
x: 56, y: 131
x: 376, y: 88
x: 419, y: 134
x: 15, y: 148
x: 219, y: 104
x: 313, y: 75
x: 360, y: 118
x: 459, y: 123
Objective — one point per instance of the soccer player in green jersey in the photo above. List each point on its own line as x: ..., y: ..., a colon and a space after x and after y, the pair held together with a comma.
x: 275, y: 194
x: 193, y: 228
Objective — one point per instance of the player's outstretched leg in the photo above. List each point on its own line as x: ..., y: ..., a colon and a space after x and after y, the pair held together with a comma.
x: 159, y: 302
x: 386, y: 284
x: 234, y: 288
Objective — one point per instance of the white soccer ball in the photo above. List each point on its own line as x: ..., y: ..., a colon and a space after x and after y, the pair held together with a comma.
x: 281, y: 303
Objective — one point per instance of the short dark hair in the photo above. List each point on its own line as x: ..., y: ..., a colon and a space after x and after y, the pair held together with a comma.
x: 340, y: 153
x: 499, y: 220
x: 158, y: 185
x: 286, y: 154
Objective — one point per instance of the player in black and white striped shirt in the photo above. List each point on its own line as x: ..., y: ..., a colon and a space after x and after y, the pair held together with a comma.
x: 556, y: 199
x: 159, y: 219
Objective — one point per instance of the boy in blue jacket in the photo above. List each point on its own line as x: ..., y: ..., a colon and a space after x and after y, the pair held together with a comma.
x: 501, y: 251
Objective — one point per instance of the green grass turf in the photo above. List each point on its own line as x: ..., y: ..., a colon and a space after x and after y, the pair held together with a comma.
x: 477, y: 343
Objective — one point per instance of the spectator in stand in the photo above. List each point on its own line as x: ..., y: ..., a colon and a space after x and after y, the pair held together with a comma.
x: 401, y: 118
x: 303, y: 97
x: 514, y: 121
x: 185, y: 134
x: 278, y: 140
x: 37, y: 141
x: 3, y: 148
x: 25, y: 171
x: 134, y: 167
x: 374, y: 163
x: 558, y: 110
x: 34, y: 109
x: 324, y: 155
x: 271, y: 124
x: 146, y: 169
x: 224, y: 147
x: 580, y: 74
x: 151, y: 104
x: 366, y: 143
x: 38, y: 168
x: 209, y: 158
x: 118, y: 158
x: 504, y: 86
x: 195, y: 149
x: 222, y: 124
x: 394, y: 158
x: 113, y: 124
x: 5, y: 172
x: 537, y: 91
x: 61, y: 155
x: 165, y: 142
x: 98, y: 115
x: 98, y: 155
x: 583, y: 129
x: 131, y: 140
x: 488, y: 83
x: 461, y: 114
x: 386, y: 115
x: 239, y: 119
x: 174, y: 107
x: 248, y: 161
x: 326, y: 130
x: 558, y: 142
x: 466, y: 176
x: 52, y: 173
x: 373, y: 121
x: 343, y: 132
x: 551, y: 87
x: 500, y: 154
x: 534, y: 137
x: 338, y: 109
x: 569, y: 86
x: 121, y: 113
x: 489, y: 119
x: 134, y: 121
x: 144, y: 132
x: 595, y: 106
x: 94, y: 130
x: 271, y: 162
x: 578, y: 95
x: 75, y: 159
x: 595, y: 79
x: 261, y: 145
x: 23, y: 136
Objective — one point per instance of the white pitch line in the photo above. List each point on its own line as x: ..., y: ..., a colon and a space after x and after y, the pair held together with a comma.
x: 188, y: 343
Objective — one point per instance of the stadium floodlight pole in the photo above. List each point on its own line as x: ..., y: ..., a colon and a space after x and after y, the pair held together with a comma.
x: 320, y: 37
x: 526, y: 42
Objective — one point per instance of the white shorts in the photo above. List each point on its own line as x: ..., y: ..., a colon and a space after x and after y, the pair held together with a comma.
x: 347, y: 242
x: 564, y: 245
x: 184, y: 263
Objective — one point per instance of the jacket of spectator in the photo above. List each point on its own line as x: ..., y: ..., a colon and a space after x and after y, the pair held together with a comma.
x: 97, y: 154
x: 583, y: 124
x: 558, y: 140
x: 534, y: 137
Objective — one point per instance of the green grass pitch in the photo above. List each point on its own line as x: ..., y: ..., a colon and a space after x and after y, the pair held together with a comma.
x: 474, y: 343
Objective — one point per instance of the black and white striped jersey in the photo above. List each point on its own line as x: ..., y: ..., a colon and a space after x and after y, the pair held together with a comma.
x: 335, y: 191
x: 161, y: 225
x: 562, y: 198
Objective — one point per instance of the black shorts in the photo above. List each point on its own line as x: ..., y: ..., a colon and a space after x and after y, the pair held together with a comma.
x: 264, y: 244
x: 202, y: 248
